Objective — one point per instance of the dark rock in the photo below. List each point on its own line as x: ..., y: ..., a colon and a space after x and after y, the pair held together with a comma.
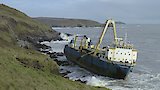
x: 43, y: 46
x: 53, y: 55
x: 81, y: 81
x: 60, y: 54
x: 69, y: 34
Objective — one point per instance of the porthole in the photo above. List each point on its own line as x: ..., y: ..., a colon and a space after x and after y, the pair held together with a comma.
x: 126, y: 61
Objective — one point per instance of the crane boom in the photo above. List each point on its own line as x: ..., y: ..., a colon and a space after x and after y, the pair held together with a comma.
x: 108, y: 23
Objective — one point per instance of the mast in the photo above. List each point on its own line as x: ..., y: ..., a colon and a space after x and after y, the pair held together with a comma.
x: 109, y: 23
x: 125, y: 38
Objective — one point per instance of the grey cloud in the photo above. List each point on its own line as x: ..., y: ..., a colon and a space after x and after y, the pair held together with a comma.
x: 129, y: 11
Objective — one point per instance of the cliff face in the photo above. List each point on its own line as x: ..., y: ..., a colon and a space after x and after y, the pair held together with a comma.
x: 24, y: 68
x: 19, y: 26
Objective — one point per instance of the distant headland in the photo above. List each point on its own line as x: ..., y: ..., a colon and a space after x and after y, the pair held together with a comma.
x: 68, y: 22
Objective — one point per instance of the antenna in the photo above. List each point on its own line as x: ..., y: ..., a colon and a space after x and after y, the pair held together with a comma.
x: 125, y: 38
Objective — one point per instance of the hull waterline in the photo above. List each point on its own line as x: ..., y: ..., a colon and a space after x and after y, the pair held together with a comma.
x: 97, y: 65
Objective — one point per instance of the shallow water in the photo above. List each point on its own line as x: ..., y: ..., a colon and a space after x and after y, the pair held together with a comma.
x: 146, y: 74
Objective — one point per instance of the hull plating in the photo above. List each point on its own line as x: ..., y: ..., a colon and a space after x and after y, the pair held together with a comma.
x: 96, y: 65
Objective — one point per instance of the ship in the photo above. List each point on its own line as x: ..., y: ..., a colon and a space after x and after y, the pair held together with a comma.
x: 115, y: 60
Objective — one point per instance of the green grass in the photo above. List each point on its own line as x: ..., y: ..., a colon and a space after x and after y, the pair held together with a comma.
x: 20, y: 17
x: 18, y: 71
x: 16, y: 22
x: 27, y: 69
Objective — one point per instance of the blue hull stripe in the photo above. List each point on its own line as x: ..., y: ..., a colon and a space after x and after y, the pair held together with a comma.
x: 96, y: 65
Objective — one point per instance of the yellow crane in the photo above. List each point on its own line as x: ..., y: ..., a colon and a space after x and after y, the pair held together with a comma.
x: 109, y: 23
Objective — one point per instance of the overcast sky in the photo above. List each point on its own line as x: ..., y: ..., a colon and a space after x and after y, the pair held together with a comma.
x: 128, y: 11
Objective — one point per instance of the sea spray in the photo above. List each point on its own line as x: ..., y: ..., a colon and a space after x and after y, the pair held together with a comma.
x: 141, y: 78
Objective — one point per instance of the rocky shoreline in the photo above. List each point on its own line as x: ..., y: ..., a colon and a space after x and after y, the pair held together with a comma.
x: 22, y: 64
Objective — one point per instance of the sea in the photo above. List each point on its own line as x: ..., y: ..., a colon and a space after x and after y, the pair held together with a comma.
x: 146, y: 73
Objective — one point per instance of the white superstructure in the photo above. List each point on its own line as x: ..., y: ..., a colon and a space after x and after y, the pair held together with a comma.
x: 122, y: 55
x: 120, y: 51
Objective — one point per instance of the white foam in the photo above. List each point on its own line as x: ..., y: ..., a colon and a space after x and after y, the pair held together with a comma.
x: 58, y: 46
x: 140, y: 79
x: 135, y: 81
x: 44, y: 42
x: 61, y: 58
x: 78, y: 73
x: 64, y: 36
x: 96, y: 81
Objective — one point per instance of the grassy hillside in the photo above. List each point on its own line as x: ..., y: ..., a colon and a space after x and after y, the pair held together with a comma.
x: 24, y: 68
x: 19, y: 25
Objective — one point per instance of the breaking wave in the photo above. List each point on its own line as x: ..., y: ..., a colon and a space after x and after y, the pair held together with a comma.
x: 141, y: 78
x: 135, y: 81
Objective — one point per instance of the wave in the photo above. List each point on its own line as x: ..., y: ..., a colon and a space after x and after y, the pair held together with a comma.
x: 140, y: 81
x: 141, y: 78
